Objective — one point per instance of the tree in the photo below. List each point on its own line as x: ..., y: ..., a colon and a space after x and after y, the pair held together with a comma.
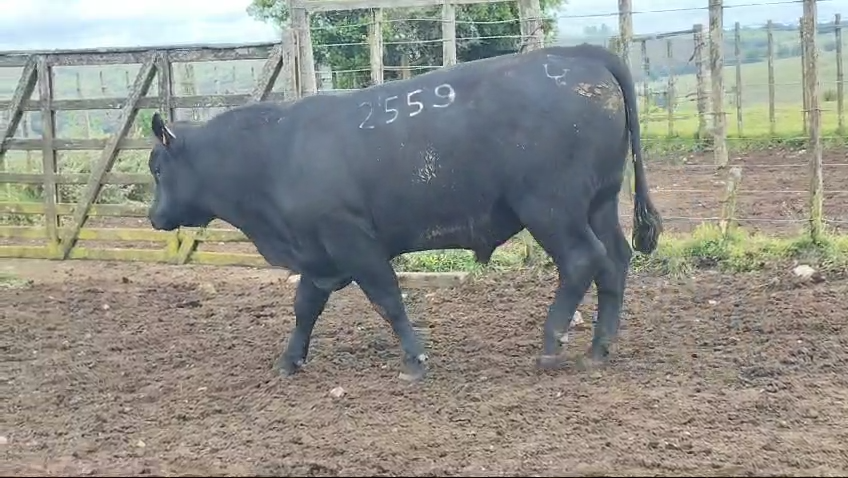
x: 340, y: 38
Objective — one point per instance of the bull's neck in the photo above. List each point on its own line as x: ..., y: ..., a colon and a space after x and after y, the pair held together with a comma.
x: 248, y: 216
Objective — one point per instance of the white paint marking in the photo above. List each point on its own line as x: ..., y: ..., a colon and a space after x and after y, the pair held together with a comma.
x: 415, y: 103
x: 393, y: 111
x: 370, y: 112
x: 445, y: 91
x: 558, y: 79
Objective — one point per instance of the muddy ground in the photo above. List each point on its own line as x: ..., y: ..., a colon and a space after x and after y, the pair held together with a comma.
x: 136, y: 369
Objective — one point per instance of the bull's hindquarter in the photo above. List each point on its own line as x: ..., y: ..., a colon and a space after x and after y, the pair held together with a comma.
x: 441, y: 161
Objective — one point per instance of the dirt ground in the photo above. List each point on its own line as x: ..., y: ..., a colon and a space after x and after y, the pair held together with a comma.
x: 134, y: 369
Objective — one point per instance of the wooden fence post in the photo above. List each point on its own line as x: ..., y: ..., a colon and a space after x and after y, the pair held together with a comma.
x: 49, y: 166
x: 375, y: 42
x: 728, y: 201
x: 840, y: 76
x: 532, y: 38
x: 737, y: 53
x: 716, y: 67
x: 646, y: 89
x: 701, y: 78
x: 770, y: 60
x: 811, y: 87
x: 532, y: 33
x: 625, y: 37
x: 804, y: 93
x: 307, y: 82
x: 448, y: 34
x: 289, y: 67
x: 670, y: 97
x: 625, y: 28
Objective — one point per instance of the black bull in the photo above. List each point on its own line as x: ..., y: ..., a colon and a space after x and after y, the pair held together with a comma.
x: 334, y: 187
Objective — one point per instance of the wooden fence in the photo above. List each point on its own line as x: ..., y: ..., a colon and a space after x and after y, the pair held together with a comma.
x: 59, y: 242
x: 289, y: 62
x: 289, y: 67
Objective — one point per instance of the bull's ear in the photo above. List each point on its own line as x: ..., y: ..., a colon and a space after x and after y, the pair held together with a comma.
x: 161, y: 131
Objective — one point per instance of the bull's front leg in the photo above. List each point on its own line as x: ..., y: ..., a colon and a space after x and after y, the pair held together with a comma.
x: 383, y: 291
x: 309, y: 303
x: 358, y: 254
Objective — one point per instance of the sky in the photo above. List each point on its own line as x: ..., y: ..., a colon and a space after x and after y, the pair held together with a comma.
x: 62, y: 24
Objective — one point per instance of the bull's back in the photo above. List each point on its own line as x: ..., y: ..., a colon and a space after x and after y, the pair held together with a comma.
x: 477, y: 129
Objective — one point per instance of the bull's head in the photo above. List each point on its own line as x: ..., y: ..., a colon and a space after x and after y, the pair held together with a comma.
x: 177, y: 200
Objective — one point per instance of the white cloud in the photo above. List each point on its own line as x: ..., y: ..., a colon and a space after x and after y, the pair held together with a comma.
x: 60, y: 24
x: 188, y: 9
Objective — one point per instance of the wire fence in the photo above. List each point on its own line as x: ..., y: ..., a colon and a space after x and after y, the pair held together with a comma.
x: 762, y: 98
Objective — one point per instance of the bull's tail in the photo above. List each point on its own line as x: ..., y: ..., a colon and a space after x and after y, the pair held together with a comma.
x: 647, y: 222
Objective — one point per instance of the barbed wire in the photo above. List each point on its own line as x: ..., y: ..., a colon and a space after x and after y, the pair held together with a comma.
x: 419, y: 42
x: 562, y: 16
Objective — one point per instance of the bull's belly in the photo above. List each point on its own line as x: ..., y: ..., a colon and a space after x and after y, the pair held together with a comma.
x: 481, y: 233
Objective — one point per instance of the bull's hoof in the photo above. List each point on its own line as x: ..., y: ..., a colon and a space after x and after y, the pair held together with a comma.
x: 550, y: 362
x: 595, y: 358
x: 288, y: 367
x: 415, y: 369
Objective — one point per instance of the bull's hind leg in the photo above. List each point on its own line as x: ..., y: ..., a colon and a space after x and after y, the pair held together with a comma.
x: 611, y: 278
x: 561, y: 227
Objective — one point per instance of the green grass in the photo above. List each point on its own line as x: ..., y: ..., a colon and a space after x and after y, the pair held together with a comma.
x: 787, y: 73
x: 706, y: 248
x: 789, y: 122
x: 11, y: 281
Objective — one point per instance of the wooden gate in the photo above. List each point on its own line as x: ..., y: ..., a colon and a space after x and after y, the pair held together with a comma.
x: 59, y: 239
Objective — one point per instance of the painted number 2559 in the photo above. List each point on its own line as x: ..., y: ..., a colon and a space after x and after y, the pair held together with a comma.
x: 394, y: 105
